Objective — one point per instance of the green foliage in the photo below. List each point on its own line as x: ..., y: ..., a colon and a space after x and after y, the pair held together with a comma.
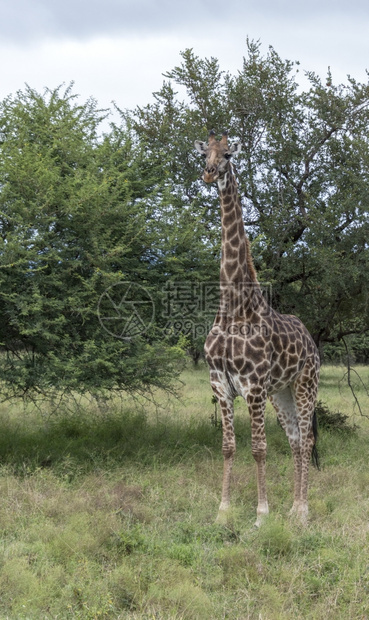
x: 82, y: 215
x: 76, y: 218
x: 333, y: 420
x: 275, y: 539
x: 354, y: 348
x: 303, y: 177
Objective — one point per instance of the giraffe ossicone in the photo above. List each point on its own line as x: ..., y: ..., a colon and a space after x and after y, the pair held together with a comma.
x: 254, y: 351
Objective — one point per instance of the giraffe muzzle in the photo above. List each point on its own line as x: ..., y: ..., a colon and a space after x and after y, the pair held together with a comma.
x: 211, y: 174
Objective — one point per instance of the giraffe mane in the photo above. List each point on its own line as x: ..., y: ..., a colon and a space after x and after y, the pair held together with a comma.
x: 250, y: 263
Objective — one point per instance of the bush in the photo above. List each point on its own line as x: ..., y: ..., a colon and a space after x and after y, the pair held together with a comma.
x: 333, y: 421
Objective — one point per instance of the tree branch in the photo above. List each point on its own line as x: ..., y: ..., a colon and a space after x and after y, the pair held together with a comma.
x: 347, y: 374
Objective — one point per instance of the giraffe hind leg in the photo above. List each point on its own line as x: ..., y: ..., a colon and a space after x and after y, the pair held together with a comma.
x: 284, y: 405
x: 304, y: 397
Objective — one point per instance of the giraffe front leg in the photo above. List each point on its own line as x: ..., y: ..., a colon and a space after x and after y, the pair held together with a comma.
x: 259, y: 449
x: 262, y: 510
x: 222, y: 517
x: 229, y: 450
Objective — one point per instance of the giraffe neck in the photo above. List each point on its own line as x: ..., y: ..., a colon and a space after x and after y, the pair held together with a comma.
x: 240, y: 292
x: 236, y: 262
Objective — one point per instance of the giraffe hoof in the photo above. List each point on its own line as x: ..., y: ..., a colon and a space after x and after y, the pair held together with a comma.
x: 261, y: 514
x: 260, y: 520
x: 303, y: 517
x: 295, y: 509
x: 300, y: 512
x: 222, y: 518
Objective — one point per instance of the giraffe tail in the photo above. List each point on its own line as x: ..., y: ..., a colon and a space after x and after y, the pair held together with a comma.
x: 314, y: 453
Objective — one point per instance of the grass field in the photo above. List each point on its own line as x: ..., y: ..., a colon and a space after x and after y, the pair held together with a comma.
x: 112, y: 515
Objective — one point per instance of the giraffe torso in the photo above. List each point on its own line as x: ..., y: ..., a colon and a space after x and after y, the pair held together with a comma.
x: 269, y: 350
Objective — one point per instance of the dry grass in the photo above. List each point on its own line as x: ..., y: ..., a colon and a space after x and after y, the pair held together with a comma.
x: 113, y: 516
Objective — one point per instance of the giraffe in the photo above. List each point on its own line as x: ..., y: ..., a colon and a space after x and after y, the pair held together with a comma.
x: 254, y: 351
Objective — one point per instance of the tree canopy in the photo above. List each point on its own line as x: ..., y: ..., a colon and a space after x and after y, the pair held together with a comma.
x: 77, y: 221
x: 303, y: 177
x: 84, y: 216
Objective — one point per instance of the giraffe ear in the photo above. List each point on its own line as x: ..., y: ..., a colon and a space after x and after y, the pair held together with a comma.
x: 236, y: 148
x: 200, y: 147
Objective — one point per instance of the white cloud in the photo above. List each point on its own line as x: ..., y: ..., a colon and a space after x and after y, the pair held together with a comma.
x: 128, y: 67
x: 25, y: 21
x: 107, y: 69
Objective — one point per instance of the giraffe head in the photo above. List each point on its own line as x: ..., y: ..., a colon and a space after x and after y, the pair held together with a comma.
x: 217, y: 156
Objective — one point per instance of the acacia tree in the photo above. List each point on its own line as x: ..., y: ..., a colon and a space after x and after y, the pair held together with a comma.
x: 75, y: 214
x: 303, y: 177
x: 306, y: 182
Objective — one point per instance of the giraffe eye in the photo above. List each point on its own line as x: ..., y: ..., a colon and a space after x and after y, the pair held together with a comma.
x: 228, y: 155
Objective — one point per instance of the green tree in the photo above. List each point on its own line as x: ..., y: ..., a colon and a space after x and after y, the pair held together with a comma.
x: 185, y: 238
x: 303, y: 178
x: 77, y: 215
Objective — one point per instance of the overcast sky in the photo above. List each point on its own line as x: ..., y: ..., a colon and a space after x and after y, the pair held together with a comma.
x: 117, y: 50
